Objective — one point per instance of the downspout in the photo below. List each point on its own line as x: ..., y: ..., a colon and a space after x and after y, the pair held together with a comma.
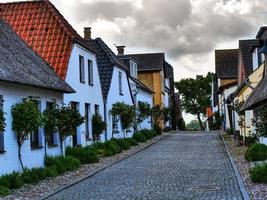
x: 105, y: 119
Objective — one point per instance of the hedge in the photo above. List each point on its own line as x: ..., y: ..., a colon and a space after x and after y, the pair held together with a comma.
x: 258, y: 174
x: 256, y: 152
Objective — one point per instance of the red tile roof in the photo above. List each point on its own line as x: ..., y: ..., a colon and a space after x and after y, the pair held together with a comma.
x: 42, y: 26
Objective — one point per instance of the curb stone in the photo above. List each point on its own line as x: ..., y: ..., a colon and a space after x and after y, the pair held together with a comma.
x: 241, y: 185
x: 101, y: 169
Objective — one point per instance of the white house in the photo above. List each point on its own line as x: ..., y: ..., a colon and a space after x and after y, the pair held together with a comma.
x: 140, y: 92
x: 53, y: 38
x: 82, y: 75
x: 114, y: 83
x: 22, y: 74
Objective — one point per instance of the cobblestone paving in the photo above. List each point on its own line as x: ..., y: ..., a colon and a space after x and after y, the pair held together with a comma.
x: 181, y: 166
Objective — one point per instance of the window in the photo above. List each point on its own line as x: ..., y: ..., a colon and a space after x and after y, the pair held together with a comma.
x: 81, y: 66
x: 52, y: 138
x: 2, y: 146
x: 133, y: 69
x: 96, y: 109
x: 120, y: 83
x: 36, y: 136
x: 74, y: 137
x: 90, y: 73
x: 87, y: 119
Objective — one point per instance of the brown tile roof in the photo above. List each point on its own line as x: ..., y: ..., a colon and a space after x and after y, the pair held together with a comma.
x: 42, y: 26
x: 20, y: 64
x: 226, y: 63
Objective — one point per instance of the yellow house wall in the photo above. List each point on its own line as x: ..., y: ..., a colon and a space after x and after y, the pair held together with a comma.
x: 155, y: 81
x: 254, y: 79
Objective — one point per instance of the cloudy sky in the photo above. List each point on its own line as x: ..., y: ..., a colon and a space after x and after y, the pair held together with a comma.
x: 188, y: 31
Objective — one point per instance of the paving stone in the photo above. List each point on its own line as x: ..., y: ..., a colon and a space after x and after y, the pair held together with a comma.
x: 181, y: 166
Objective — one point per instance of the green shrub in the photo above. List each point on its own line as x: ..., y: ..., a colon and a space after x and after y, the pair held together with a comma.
x: 131, y: 141
x: 83, y: 154
x: 157, y: 129
x: 111, y: 148
x: 12, y: 181
x: 51, y: 171
x: 230, y: 131
x: 4, y: 191
x: 256, y: 152
x: 33, y: 175
x: 258, y: 174
x: 139, y: 137
x: 62, y: 164
x: 250, y: 140
x: 122, y: 143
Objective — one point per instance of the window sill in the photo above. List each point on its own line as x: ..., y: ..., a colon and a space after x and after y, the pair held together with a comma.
x: 2, y: 151
x: 36, y: 147
x: 91, y: 84
x: 52, y: 146
x: 121, y: 94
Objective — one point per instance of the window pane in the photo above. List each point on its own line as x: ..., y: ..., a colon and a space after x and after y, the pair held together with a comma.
x: 81, y: 66
x: 35, y: 138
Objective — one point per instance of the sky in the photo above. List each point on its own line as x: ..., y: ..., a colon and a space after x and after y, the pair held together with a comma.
x: 188, y: 31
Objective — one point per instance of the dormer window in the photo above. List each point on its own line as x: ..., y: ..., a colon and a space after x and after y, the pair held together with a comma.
x: 133, y: 69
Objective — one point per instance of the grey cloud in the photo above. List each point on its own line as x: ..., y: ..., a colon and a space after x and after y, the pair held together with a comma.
x: 172, y: 26
x: 102, y: 9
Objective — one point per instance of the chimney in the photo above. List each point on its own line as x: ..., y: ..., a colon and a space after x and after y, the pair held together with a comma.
x: 87, y: 33
x: 120, y: 50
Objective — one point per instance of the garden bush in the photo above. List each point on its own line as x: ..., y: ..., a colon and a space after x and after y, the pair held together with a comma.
x: 4, y: 191
x: 51, y: 171
x: 256, y: 152
x: 258, y: 174
x: 111, y: 148
x: 139, y: 137
x: 33, y: 175
x: 62, y: 164
x: 250, y: 140
x: 12, y: 181
x: 83, y: 154
x: 122, y: 143
x: 131, y: 141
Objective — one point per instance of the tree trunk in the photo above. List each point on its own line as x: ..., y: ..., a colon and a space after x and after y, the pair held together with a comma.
x: 200, y: 122
x: 61, y: 146
x: 19, y: 155
x: 45, y: 146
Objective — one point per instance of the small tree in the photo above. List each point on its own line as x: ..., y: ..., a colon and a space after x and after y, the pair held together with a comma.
x: 261, y: 121
x: 125, y: 113
x: 2, y: 121
x: 166, y: 114
x: 195, y: 95
x: 157, y: 116
x: 98, y: 126
x: 50, y: 122
x: 27, y: 118
x: 143, y: 112
x: 68, y: 119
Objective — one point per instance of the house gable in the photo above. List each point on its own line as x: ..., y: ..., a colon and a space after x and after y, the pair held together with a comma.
x: 44, y: 29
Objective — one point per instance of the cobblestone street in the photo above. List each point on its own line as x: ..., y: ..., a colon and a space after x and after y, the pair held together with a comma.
x: 180, y: 166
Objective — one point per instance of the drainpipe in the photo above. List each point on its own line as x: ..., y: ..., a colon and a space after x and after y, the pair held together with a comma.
x: 105, y: 119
